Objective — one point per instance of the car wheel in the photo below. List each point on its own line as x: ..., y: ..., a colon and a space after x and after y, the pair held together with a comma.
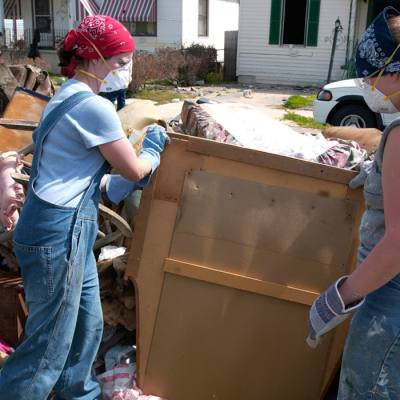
x: 355, y: 115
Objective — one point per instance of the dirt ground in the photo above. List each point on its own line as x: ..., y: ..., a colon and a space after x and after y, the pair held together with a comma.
x: 266, y: 99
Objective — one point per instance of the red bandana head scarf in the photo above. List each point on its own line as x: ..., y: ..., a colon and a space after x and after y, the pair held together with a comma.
x: 99, y: 34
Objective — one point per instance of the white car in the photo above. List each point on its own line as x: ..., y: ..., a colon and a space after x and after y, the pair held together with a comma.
x: 342, y: 104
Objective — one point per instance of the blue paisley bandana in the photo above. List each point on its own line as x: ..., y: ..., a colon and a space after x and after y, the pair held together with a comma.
x: 377, y: 49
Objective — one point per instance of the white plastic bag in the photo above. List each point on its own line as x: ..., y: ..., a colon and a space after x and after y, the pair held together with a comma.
x: 119, y: 384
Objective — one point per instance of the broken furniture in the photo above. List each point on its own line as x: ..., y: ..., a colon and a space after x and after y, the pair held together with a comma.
x: 231, y: 247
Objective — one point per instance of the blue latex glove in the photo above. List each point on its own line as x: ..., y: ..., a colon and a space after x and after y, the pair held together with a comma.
x: 153, y: 144
x: 328, y: 311
x: 118, y: 188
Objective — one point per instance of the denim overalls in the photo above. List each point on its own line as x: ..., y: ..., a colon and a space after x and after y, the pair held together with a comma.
x: 371, y: 360
x: 53, y: 245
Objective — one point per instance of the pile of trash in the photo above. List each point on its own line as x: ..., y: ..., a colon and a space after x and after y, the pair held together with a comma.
x: 115, y: 363
x: 243, y: 125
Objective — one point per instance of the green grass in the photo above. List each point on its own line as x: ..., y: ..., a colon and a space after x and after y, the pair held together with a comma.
x: 295, y: 102
x: 159, y: 96
x: 305, y: 122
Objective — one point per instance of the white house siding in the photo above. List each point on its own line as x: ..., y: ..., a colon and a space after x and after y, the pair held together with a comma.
x: 62, y: 18
x: 169, y: 26
x: 223, y: 16
x: 263, y: 63
x: 361, y: 18
x: 26, y: 11
x: 63, y: 13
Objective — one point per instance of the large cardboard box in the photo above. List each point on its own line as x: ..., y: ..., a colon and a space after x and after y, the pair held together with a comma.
x: 231, y: 247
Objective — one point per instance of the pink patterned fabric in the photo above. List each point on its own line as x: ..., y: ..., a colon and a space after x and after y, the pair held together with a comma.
x: 11, y: 193
x: 99, y: 34
x: 119, y: 383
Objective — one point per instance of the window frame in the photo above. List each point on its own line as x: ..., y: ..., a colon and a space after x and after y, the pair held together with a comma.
x: 311, y: 28
x: 282, y: 33
x: 50, y: 16
x: 127, y: 24
x: 207, y: 18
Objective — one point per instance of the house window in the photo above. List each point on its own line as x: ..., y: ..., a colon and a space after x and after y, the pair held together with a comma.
x: 294, y: 22
x: 42, y: 9
x: 141, y: 28
x: 203, y: 18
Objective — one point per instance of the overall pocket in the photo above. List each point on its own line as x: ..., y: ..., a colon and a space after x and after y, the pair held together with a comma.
x: 36, y: 263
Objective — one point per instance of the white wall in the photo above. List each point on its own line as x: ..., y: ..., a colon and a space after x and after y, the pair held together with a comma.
x: 169, y: 26
x: 284, y: 64
x: 61, y: 15
x: 223, y: 16
x: 361, y: 18
x: 26, y: 11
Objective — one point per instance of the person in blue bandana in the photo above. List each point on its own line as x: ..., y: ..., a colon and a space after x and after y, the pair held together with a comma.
x: 371, y: 360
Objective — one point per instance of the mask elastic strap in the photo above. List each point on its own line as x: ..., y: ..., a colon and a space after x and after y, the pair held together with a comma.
x: 83, y: 72
x: 373, y: 87
x: 389, y: 96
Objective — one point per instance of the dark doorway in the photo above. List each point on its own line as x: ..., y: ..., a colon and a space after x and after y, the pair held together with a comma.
x: 294, y: 21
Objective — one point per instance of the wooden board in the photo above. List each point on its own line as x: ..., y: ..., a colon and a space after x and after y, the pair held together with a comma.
x: 25, y: 106
x: 215, y: 342
x: 230, y: 248
x: 266, y: 232
x: 14, y: 139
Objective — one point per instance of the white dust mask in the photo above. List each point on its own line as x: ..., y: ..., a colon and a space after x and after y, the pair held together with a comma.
x: 377, y: 101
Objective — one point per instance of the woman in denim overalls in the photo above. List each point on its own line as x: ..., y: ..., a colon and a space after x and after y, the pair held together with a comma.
x: 54, y: 238
x: 371, y: 360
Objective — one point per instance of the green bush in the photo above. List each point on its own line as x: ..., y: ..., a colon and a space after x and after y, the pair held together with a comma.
x: 207, y: 56
x: 176, y: 66
x: 215, y: 78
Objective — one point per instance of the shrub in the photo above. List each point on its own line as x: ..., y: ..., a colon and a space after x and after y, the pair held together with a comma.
x: 176, y: 66
x: 144, y: 69
x: 215, y: 78
x: 207, y: 56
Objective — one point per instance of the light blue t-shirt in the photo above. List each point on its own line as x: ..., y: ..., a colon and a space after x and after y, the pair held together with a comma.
x: 71, y: 156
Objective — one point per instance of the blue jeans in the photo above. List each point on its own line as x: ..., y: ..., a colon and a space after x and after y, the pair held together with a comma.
x: 119, y: 95
x: 371, y: 360
x: 53, y: 245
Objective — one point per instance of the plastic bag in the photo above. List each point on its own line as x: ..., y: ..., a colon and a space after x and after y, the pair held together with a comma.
x: 119, y: 384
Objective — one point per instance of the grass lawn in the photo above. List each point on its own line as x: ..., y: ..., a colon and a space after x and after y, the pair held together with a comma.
x: 159, y: 96
x: 294, y: 102
x: 305, y: 122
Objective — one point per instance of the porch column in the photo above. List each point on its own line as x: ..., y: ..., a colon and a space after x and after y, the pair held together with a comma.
x: 2, y: 38
x: 2, y: 19
x: 72, y: 17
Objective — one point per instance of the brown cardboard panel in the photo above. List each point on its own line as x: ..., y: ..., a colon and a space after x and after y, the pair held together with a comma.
x: 240, y: 282
x: 213, y: 342
x: 14, y: 139
x: 175, y: 161
x: 274, y: 177
x: 148, y: 277
x: 25, y: 107
x: 269, y: 160
x: 198, y: 317
x: 256, y: 261
x: 237, y: 223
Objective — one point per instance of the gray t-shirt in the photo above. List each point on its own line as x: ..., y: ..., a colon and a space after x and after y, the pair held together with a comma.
x: 70, y: 156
